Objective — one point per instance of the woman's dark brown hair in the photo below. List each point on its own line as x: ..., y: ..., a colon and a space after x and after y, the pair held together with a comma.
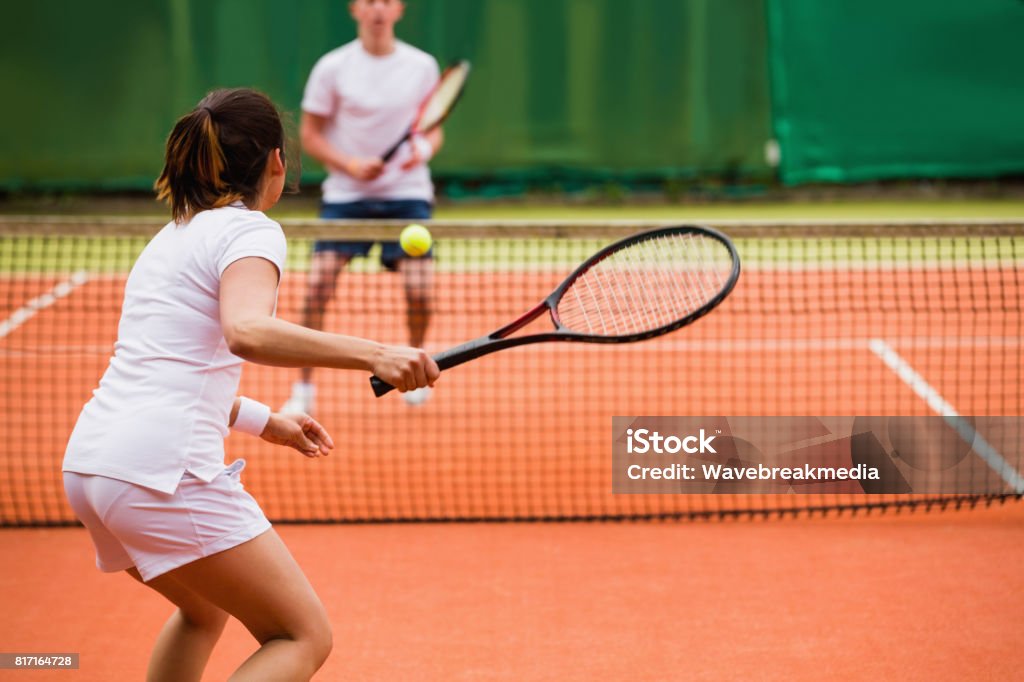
x: 216, y: 153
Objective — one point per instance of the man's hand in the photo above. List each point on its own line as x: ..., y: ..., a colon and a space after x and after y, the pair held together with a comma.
x: 420, y: 151
x: 363, y: 169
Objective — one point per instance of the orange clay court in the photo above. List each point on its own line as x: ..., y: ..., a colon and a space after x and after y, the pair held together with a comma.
x: 881, y: 591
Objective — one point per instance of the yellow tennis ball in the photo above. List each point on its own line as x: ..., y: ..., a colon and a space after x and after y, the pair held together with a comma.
x: 415, y: 240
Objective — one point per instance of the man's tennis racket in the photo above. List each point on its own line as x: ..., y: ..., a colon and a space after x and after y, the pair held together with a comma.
x: 437, y: 105
x: 637, y: 288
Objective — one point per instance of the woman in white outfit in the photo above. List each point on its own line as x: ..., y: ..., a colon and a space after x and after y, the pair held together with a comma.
x: 144, y: 468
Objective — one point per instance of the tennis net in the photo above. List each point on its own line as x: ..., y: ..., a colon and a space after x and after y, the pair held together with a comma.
x: 827, y: 319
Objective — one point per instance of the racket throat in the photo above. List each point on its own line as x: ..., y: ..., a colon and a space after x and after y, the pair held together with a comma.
x: 522, y: 321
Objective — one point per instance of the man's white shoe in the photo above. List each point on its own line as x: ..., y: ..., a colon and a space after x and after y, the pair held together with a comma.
x: 302, y: 400
x: 417, y: 396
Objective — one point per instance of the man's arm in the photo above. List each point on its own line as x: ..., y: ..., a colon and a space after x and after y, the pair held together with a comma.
x: 315, y: 143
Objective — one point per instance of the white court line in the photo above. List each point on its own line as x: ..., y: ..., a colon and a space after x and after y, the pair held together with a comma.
x: 27, y: 311
x: 941, y: 406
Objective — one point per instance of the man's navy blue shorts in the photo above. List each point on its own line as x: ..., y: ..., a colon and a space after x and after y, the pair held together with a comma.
x: 396, y: 209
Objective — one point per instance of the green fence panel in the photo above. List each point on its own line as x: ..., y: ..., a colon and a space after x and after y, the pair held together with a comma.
x: 875, y: 89
x: 592, y: 88
x: 89, y: 92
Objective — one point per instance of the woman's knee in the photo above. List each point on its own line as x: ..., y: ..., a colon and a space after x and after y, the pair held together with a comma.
x: 313, y: 634
x: 318, y: 634
x: 321, y: 642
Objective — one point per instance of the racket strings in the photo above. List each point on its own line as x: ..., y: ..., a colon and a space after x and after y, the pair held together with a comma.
x: 646, y: 285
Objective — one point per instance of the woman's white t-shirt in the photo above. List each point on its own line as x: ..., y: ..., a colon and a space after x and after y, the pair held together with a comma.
x: 162, y: 406
x: 370, y: 102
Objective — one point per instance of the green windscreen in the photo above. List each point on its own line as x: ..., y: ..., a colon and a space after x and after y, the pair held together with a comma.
x: 587, y: 88
x: 874, y: 89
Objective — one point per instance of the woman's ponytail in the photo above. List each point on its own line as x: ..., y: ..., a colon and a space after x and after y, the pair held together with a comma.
x: 217, y: 152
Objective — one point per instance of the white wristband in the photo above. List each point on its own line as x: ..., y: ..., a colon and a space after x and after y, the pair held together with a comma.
x: 424, y: 147
x: 252, y: 416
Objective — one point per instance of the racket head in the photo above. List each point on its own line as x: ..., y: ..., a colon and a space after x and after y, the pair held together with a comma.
x: 646, y: 285
x: 672, y: 260
x: 439, y: 103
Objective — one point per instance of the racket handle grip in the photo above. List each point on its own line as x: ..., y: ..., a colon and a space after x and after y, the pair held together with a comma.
x: 444, y: 361
x: 454, y: 356
x: 390, y: 153
x: 380, y: 387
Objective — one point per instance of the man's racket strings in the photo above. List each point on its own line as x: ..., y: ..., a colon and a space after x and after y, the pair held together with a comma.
x: 637, y: 288
x: 437, y: 105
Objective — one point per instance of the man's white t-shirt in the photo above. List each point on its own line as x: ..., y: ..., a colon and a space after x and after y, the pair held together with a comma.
x: 371, y: 101
x: 162, y: 406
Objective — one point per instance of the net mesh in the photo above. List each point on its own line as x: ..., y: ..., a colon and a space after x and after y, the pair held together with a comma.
x: 810, y: 329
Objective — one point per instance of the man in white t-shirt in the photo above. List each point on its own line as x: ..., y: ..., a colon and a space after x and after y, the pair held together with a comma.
x: 359, y: 99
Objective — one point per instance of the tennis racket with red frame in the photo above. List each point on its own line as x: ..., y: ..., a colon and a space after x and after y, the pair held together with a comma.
x: 640, y: 287
x: 437, y: 105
